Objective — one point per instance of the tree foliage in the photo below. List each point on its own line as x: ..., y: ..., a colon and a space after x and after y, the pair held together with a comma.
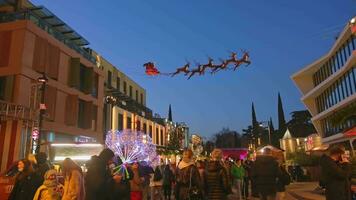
x: 300, y: 124
x: 227, y: 138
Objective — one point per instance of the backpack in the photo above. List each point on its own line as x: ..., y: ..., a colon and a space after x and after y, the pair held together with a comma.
x: 157, y: 175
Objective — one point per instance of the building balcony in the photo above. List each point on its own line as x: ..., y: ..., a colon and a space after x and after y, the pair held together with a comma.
x: 54, y: 26
x: 117, y: 98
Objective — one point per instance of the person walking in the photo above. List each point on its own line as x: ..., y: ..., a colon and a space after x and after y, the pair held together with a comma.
x: 216, y: 181
x: 246, y: 180
x: 168, y: 179
x: 42, y: 165
x: 73, y: 181
x: 99, y: 180
x: 188, y: 182
x: 238, y: 173
x: 336, y: 174
x: 145, y: 171
x: 51, y: 189
x: 156, y: 184
x: 121, y: 190
x: 26, y: 182
x: 136, y: 183
x: 282, y: 181
x: 265, y: 172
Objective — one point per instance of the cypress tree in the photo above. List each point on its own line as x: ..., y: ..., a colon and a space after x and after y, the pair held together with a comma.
x: 170, y: 114
x: 281, y: 119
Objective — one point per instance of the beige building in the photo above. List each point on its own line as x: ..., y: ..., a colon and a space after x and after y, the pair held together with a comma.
x: 125, y: 106
x: 35, y: 42
x: 328, y: 88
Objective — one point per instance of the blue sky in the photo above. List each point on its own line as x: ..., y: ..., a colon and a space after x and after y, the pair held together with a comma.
x: 281, y: 36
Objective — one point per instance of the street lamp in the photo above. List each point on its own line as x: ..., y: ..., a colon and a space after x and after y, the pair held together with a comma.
x: 43, y: 81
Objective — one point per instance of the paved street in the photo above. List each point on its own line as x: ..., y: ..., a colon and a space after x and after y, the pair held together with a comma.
x: 297, y: 191
x: 304, y: 191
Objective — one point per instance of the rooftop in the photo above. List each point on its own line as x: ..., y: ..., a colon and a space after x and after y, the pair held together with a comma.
x: 50, y: 23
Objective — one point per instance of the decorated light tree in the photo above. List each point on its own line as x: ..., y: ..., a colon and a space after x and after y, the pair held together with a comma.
x: 131, y: 146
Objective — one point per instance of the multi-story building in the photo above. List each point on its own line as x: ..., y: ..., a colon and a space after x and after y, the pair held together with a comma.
x: 35, y: 42
x: 329, y: 89
x: 125, y: 105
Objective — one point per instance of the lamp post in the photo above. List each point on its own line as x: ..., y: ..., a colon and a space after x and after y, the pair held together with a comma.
x: 43, y: 81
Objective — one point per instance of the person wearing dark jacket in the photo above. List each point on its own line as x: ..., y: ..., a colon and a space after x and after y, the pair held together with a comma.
x: 282, y: 181
x: 187, y: 176
x: 265, y: 172
x: 26, y: 182
x: 42, y: 165
x: 99, y: 181
x: 168, y: 179
x: 335, y: 174
x: 215, y: 176
x: 121, y: 190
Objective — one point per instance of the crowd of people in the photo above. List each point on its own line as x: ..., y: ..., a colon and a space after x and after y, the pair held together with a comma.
x: 215, y: 179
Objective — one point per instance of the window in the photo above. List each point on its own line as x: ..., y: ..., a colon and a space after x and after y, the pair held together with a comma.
x: 125, y: 88
x: 141, y: 98
x: 161, y: 137
x: 157, y: 136
x: 150, y: 131
x: 136, y: 95
x: 144, y: 127
x: 130, y: 91
x: 81, y: 117
x: 109, y: 79
x: 120, y: 124
x: 6, y: 87
x: 129, y: 123
x: 118, y: 83
x: 138, y: 125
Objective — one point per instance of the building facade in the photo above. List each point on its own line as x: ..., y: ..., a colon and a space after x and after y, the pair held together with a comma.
x: 328, y: 87
x: 34, y: 42
x: 125, y: 104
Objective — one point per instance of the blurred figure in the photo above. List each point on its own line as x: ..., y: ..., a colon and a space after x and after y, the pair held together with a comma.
x: 282, y: 181
x: 201, y: 169
x: 26, y: 182
x: 336, y: 174
x: 99, y: 179
x: 246, y: 180
x: 136, y: 183
x: 156, y: 183
x: 51, y: 189
x: 73, y: 181
x: 122, y: 190
x: 145, y: 171
x: 168, y: 178
x: 265, y: 172
x: 238, y: 173
x: 216, y: 180
x: 187, y: 176
x: 42, y: 165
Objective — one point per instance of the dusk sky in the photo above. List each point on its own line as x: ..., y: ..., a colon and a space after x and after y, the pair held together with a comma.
x: 282, y: 37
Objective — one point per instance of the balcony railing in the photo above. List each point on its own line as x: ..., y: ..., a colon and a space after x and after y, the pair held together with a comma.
x: 44, y: 25
x: 14, y: 111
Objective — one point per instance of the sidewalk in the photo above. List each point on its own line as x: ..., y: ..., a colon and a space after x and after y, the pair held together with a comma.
x: 304, y: 191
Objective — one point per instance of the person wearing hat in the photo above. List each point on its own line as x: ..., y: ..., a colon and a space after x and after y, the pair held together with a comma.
x: 335, y: 174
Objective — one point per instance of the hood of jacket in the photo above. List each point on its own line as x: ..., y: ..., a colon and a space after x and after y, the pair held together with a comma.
x: 182, y: 164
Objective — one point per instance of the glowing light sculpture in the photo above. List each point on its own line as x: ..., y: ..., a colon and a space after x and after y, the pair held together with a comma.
x: 132, y: 146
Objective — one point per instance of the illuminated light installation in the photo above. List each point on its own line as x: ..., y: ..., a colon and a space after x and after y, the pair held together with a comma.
x: 132, y: 146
